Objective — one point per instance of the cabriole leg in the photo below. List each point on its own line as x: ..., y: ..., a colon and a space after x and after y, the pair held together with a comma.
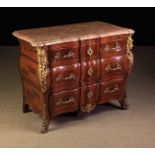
x: 45, y: 116
x: 123, y: 103
x: 45, y: 126
x: 26, y: 108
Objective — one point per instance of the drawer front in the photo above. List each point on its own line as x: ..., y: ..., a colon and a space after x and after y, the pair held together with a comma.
x: 89, y: 72
x: 89, y: 96
x: 114, y: 89
x: 64, y: 54
x: 65, y: 77
x: 112, y: 46
x: 114, y: 67
x: 89, y: 49
x: 66, y: 101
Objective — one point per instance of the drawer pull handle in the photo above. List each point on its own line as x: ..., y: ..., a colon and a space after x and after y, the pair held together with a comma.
x: 108, y: 68
x: 61, y: 102
x: 89, y: 51
x: 116, y: 48
x: 59, y: 56
x: 110, y: 91
x: 70, y: 77
x: 90, y: 72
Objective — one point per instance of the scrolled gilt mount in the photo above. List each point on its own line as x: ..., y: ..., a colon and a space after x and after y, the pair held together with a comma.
x: 116, y: 48
x: 61, y: 102
x: 42, y: 67
x: 111, y: 91
x: 129, y: 52
x: 58, y: 55
x: 88, y: 107
x: 118, y: 67
x: 71, y: 76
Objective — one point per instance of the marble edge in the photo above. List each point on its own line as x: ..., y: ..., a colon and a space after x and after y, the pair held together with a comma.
x: 34, y: 43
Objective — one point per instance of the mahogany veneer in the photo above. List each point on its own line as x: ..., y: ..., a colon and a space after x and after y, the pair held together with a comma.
x: 73, y: 67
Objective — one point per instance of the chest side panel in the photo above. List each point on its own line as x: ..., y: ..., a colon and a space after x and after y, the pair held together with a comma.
x: 31, y: 74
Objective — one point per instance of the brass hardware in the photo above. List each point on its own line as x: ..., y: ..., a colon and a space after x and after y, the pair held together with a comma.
x: 130, y: 42
x: 107, y: 48
x: 89, y: 94
x: 89, y: 51
x: 61, y: 102
x: 88, y: 107
x: 71, y: 76
x: 59, y: 56
x: 129, y: 52
x: 110, y: 91
x: 108, y: 68
x: 116, y: 48
x: 43, y: 71
x: 42, y: 67
x: 90, y: 72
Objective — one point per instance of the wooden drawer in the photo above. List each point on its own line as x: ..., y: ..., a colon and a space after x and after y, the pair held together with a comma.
x: 89, y: 49
x: 66, y: 101
x: 89, y: 72
x: 112, y: 46
x: 114, y: 89
x: 64, y: 54
x: 89, y: 95
x: 65, y: 77
x: 113, y: 67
